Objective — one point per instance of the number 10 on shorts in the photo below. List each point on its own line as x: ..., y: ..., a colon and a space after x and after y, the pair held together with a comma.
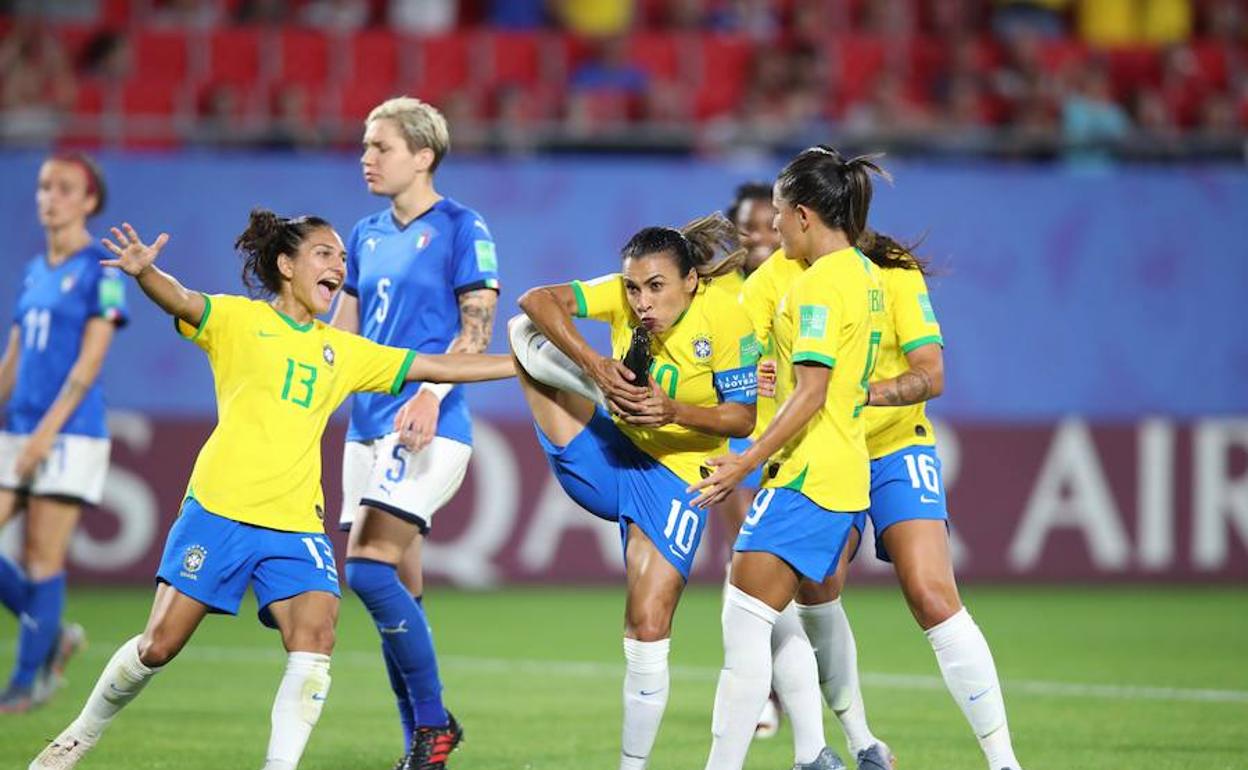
x: 682, y: 527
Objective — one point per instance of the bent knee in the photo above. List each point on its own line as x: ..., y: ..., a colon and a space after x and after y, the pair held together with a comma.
x: 932, y: 603
x: 317, y: 637
x: 648, y: 625
x: 157, y: 648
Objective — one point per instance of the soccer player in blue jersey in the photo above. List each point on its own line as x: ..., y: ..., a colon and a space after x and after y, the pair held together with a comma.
x: 421, y: 274
x: 54, y: 447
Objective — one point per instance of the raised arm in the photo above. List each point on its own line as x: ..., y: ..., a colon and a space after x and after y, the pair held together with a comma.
x: 552, y: 309
x: 96, y: 338
x: 923, y: 381
x: 136, y: 259
x: 460, y: 367
x: 809, y: 394
x: 8, y: 364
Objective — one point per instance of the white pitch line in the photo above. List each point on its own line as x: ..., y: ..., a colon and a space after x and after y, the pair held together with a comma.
x: 598, y: 669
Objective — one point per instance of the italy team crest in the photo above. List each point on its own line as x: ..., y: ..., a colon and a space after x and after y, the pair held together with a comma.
x: 701, y: 347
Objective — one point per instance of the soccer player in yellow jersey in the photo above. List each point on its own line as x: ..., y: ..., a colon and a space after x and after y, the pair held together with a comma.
x: 635, y: 468
x: 816, y: 483
x: 253, y: 509
x: 909, y: 516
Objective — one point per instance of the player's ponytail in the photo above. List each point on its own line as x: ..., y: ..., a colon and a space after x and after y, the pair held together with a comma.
x: 267, y: 237
x: 889, y: 253
x: 697, y: 246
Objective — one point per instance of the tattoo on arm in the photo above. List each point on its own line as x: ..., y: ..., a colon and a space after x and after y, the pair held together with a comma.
x: 910, y: 387
x: 476, y: 321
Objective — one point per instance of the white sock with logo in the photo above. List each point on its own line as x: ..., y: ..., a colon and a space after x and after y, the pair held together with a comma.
x: 795, y: 677
x: 297, y: 707
x: 123, y: 678
x: 745, y: 679
x: 828, y: 629
x: 546, y: 363
x: 646, y: 685
x: 971, y: 676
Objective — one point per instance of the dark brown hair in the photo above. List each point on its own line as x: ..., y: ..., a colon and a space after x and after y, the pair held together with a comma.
x: 267, y: 237
x: 693, y: 247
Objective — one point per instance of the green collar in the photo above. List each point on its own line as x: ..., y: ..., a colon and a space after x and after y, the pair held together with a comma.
x: 292, y: 323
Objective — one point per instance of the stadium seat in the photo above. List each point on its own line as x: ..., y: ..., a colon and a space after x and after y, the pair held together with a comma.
x: 234, y: 55
x: 305, y: 57
x: 442, y: 65
x: 657, y: 53
x: 857, y: 61
x: 1133, y: 68
x: 373, y: 58
x: 724, y: 66
x: 148, y: 112
x: 160, y: 56
x: 356, y: 100
x: 507, y: 58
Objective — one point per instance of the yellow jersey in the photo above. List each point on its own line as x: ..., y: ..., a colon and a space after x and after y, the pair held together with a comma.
x: 909, y: 323
x: 706, y: 358
x: 760, y: 293
x: 277, y: 382
x: 830, y: 316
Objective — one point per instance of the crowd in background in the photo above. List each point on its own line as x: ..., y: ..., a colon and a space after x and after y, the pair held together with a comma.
x: 1092, y: 79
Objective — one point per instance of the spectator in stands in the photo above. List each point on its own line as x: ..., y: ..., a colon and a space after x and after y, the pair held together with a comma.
x: 36, y: 84
x: 518, y: 14
x: 1092, y: 121
x: 423, y: 17
x: 262, y: 11
x: 609, y: 72
x: 1029, y: 18
x: 758, y: 20
x: 1106, y: 23
x: 890, y: 110
x: 220, y: 120
x: 291, y: 123
x: 187, y: 14
x: 595, y: 18
x: 107, y: 56
x: 337, y: 15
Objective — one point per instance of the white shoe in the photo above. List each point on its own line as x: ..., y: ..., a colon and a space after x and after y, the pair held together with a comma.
x: 61, y: 754
x: 769, y: 720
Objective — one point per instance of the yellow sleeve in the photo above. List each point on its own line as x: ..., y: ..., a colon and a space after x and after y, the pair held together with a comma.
x: 734, y: 359
x: 221, y: 315
x: 913, y: 316
x: 818, y: 315
x: 758, y: 299
x: 602, y: 299
x: 370, y: 366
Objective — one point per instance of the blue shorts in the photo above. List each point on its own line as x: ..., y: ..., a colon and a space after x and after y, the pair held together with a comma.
x: 606, y: 474
x: 754, y: 481
x: 905, y: 485
x: 212, y: 559
x: 790, y: 525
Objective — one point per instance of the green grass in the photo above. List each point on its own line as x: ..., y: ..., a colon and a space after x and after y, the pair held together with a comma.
x: 507, y: 665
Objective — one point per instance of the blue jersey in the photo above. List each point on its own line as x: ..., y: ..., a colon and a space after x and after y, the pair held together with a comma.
x: 52, y: 310
x: 408, y: 281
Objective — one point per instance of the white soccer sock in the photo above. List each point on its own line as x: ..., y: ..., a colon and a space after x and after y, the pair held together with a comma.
x: 745, y: 679
x: 546, y: 363
x: 297, y: 707
x: 828, y: 629
x: 971, y: 676
x: 645, y: 698
x: 795, y: 678
x: 123, y: 678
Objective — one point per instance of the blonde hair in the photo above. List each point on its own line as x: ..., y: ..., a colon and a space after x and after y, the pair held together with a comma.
x: 421, y: 124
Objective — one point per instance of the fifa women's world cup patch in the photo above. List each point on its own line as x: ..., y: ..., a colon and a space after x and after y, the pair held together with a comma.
x: 702, y: 347
x: 193, y: 561
x: 812, y: 321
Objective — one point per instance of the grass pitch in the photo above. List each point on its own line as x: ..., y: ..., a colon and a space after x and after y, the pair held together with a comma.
x: 1095, y: 678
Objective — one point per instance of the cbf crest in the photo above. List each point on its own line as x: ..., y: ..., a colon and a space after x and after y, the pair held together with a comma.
x: 328, y: 353
x: 193, y: 560
x: 701, y: 347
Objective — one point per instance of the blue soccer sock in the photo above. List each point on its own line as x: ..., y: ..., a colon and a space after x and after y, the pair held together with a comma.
x: 407, y: 715
x: 405, y: 636
x: 14, y: 590
x: 41, y: 623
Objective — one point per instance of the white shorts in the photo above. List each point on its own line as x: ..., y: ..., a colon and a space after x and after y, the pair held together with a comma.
x: 383, y: 474
x: 76, y: 467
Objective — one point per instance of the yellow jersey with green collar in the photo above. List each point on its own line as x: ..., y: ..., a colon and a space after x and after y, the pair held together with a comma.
x: 910, y: 323
x: 829, y: 317
x: 277, y: 382
x: 706, y: 358
x: 760, y: 293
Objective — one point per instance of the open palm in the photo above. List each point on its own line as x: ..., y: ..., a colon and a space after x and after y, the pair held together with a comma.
x: 133, y: 256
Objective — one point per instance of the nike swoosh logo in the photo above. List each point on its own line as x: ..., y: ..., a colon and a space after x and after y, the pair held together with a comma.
x: 981, y: 694
x: 646, y: 693
x: 267, y: 334
x: 318, y: 696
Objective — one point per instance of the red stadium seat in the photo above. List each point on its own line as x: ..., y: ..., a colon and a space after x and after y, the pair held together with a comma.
x: 373, y: 58
x: 858, y: 60
x: 443, y: 66
x: 160, y: 56
x: 1131, y: 69
x: 234, y: 55
x: 356, y: 100
x: 725, y: 61
x: 305, y: 56
x: 657, y: 53
x: 148, y: 110
x: 507, y: 58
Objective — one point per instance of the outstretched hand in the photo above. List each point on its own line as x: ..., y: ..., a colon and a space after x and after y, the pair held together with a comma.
x: 133, y: 256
